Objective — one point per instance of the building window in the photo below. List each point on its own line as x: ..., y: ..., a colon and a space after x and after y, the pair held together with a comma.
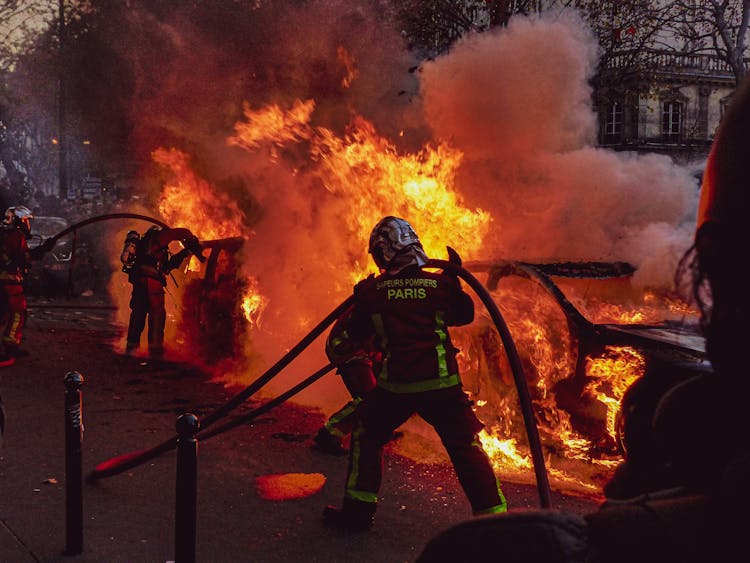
x: 671, y: 120
x: 723, y: 106
x: 612, y: 123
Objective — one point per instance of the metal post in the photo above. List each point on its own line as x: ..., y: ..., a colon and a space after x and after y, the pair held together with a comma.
x: 186, y: 489
x: 73, y: 464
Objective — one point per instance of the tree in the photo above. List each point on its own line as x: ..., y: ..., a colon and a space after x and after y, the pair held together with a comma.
x: 432, y: 27
x: 715, y: 27
x: 20, y: 25
x: 20, y: 21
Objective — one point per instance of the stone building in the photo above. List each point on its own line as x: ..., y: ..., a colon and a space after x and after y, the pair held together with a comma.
x: 662, y: 101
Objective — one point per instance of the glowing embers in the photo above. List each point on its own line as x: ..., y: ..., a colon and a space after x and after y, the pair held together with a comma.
x: 288, y: 486
x: 610, y: 376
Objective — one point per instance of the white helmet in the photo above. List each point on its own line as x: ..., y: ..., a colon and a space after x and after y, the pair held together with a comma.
x: 393, y: 237
x: 19, y: 217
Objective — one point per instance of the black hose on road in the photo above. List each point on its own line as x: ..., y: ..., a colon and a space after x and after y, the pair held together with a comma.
x: 124, y: 462
x: 127, y: 461
x: 532, y: 431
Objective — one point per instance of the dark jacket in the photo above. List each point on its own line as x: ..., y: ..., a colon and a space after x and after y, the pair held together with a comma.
x: 409, y: 314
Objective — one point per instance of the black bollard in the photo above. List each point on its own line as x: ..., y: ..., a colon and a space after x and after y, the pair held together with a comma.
x: 73, y: 464
x: 186, y: 489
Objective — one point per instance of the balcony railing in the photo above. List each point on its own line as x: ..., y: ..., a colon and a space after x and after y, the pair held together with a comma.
x: 669, y: 60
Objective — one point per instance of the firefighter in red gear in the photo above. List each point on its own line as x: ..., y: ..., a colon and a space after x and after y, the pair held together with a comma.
x: 356, y: 364
x: 407, y: 311
x: 147, y: 271
x: 15, y: 262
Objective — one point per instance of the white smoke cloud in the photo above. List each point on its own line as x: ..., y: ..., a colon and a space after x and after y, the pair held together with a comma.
x: 517, y: 101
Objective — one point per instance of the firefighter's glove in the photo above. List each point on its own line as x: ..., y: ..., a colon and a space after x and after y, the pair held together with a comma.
x: 195, y: 248
x: 453, y: 258
x: 180, y: 256
x: 42, y: 249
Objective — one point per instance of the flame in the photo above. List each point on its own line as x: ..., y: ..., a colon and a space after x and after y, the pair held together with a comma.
x: 576, y: 460
x: 612, y: 374
x: 253, y: 302
x: 375, y: 179
x: 504, y: 451
x: 188, y: 199
x: 348, y: 62
x: 378, y: 180
x: 272, y: 124
x: 646, y: 307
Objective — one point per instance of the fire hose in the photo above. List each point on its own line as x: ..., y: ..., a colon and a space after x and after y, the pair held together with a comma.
x: 127, y: 461
x: 72, y: 228
x: 265, y: 407
x: 527, y: 410
x: 133, y: 459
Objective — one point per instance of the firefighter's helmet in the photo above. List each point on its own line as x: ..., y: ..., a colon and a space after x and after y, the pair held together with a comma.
x: 19, y: 217
x: 132, y: 237
x: 390, y: 237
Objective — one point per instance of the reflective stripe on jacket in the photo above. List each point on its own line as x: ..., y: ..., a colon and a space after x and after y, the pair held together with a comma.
x: 15, y: 260
x: 409, y: 314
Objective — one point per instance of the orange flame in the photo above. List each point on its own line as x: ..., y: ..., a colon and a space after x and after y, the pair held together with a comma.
x: 273, y: 125
x: 253, y: 303
x: 375, y: 179
x: 347, y: 60
x: 190, y: 200
x: 378, y: 180
x: 612, y: 375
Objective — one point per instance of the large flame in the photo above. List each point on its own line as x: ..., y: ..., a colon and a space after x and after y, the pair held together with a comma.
x: 188, y: 199
x: 376, y: 179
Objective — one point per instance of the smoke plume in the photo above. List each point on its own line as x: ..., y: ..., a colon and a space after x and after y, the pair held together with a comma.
x: 514, y: 102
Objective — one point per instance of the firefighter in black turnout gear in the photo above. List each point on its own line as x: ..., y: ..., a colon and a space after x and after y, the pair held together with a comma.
x: 147, y: 261
x: 407, y: 311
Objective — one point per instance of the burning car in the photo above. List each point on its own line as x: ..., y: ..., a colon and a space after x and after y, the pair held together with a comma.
x: 586, y: 337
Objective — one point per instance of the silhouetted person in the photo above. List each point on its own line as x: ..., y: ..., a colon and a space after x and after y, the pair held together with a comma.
x: 148, y: 267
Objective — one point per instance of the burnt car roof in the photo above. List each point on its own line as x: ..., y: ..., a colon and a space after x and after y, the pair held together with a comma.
x: 683, y: 339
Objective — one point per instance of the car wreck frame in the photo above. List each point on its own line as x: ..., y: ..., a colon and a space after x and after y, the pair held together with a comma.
x: 670, y: 349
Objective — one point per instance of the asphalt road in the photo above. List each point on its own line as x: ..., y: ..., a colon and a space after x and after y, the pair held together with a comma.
x: 130, y: 404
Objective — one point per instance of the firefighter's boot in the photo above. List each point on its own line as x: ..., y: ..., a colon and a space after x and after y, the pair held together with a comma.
x: 327, y: 443
x: 353, y: 516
